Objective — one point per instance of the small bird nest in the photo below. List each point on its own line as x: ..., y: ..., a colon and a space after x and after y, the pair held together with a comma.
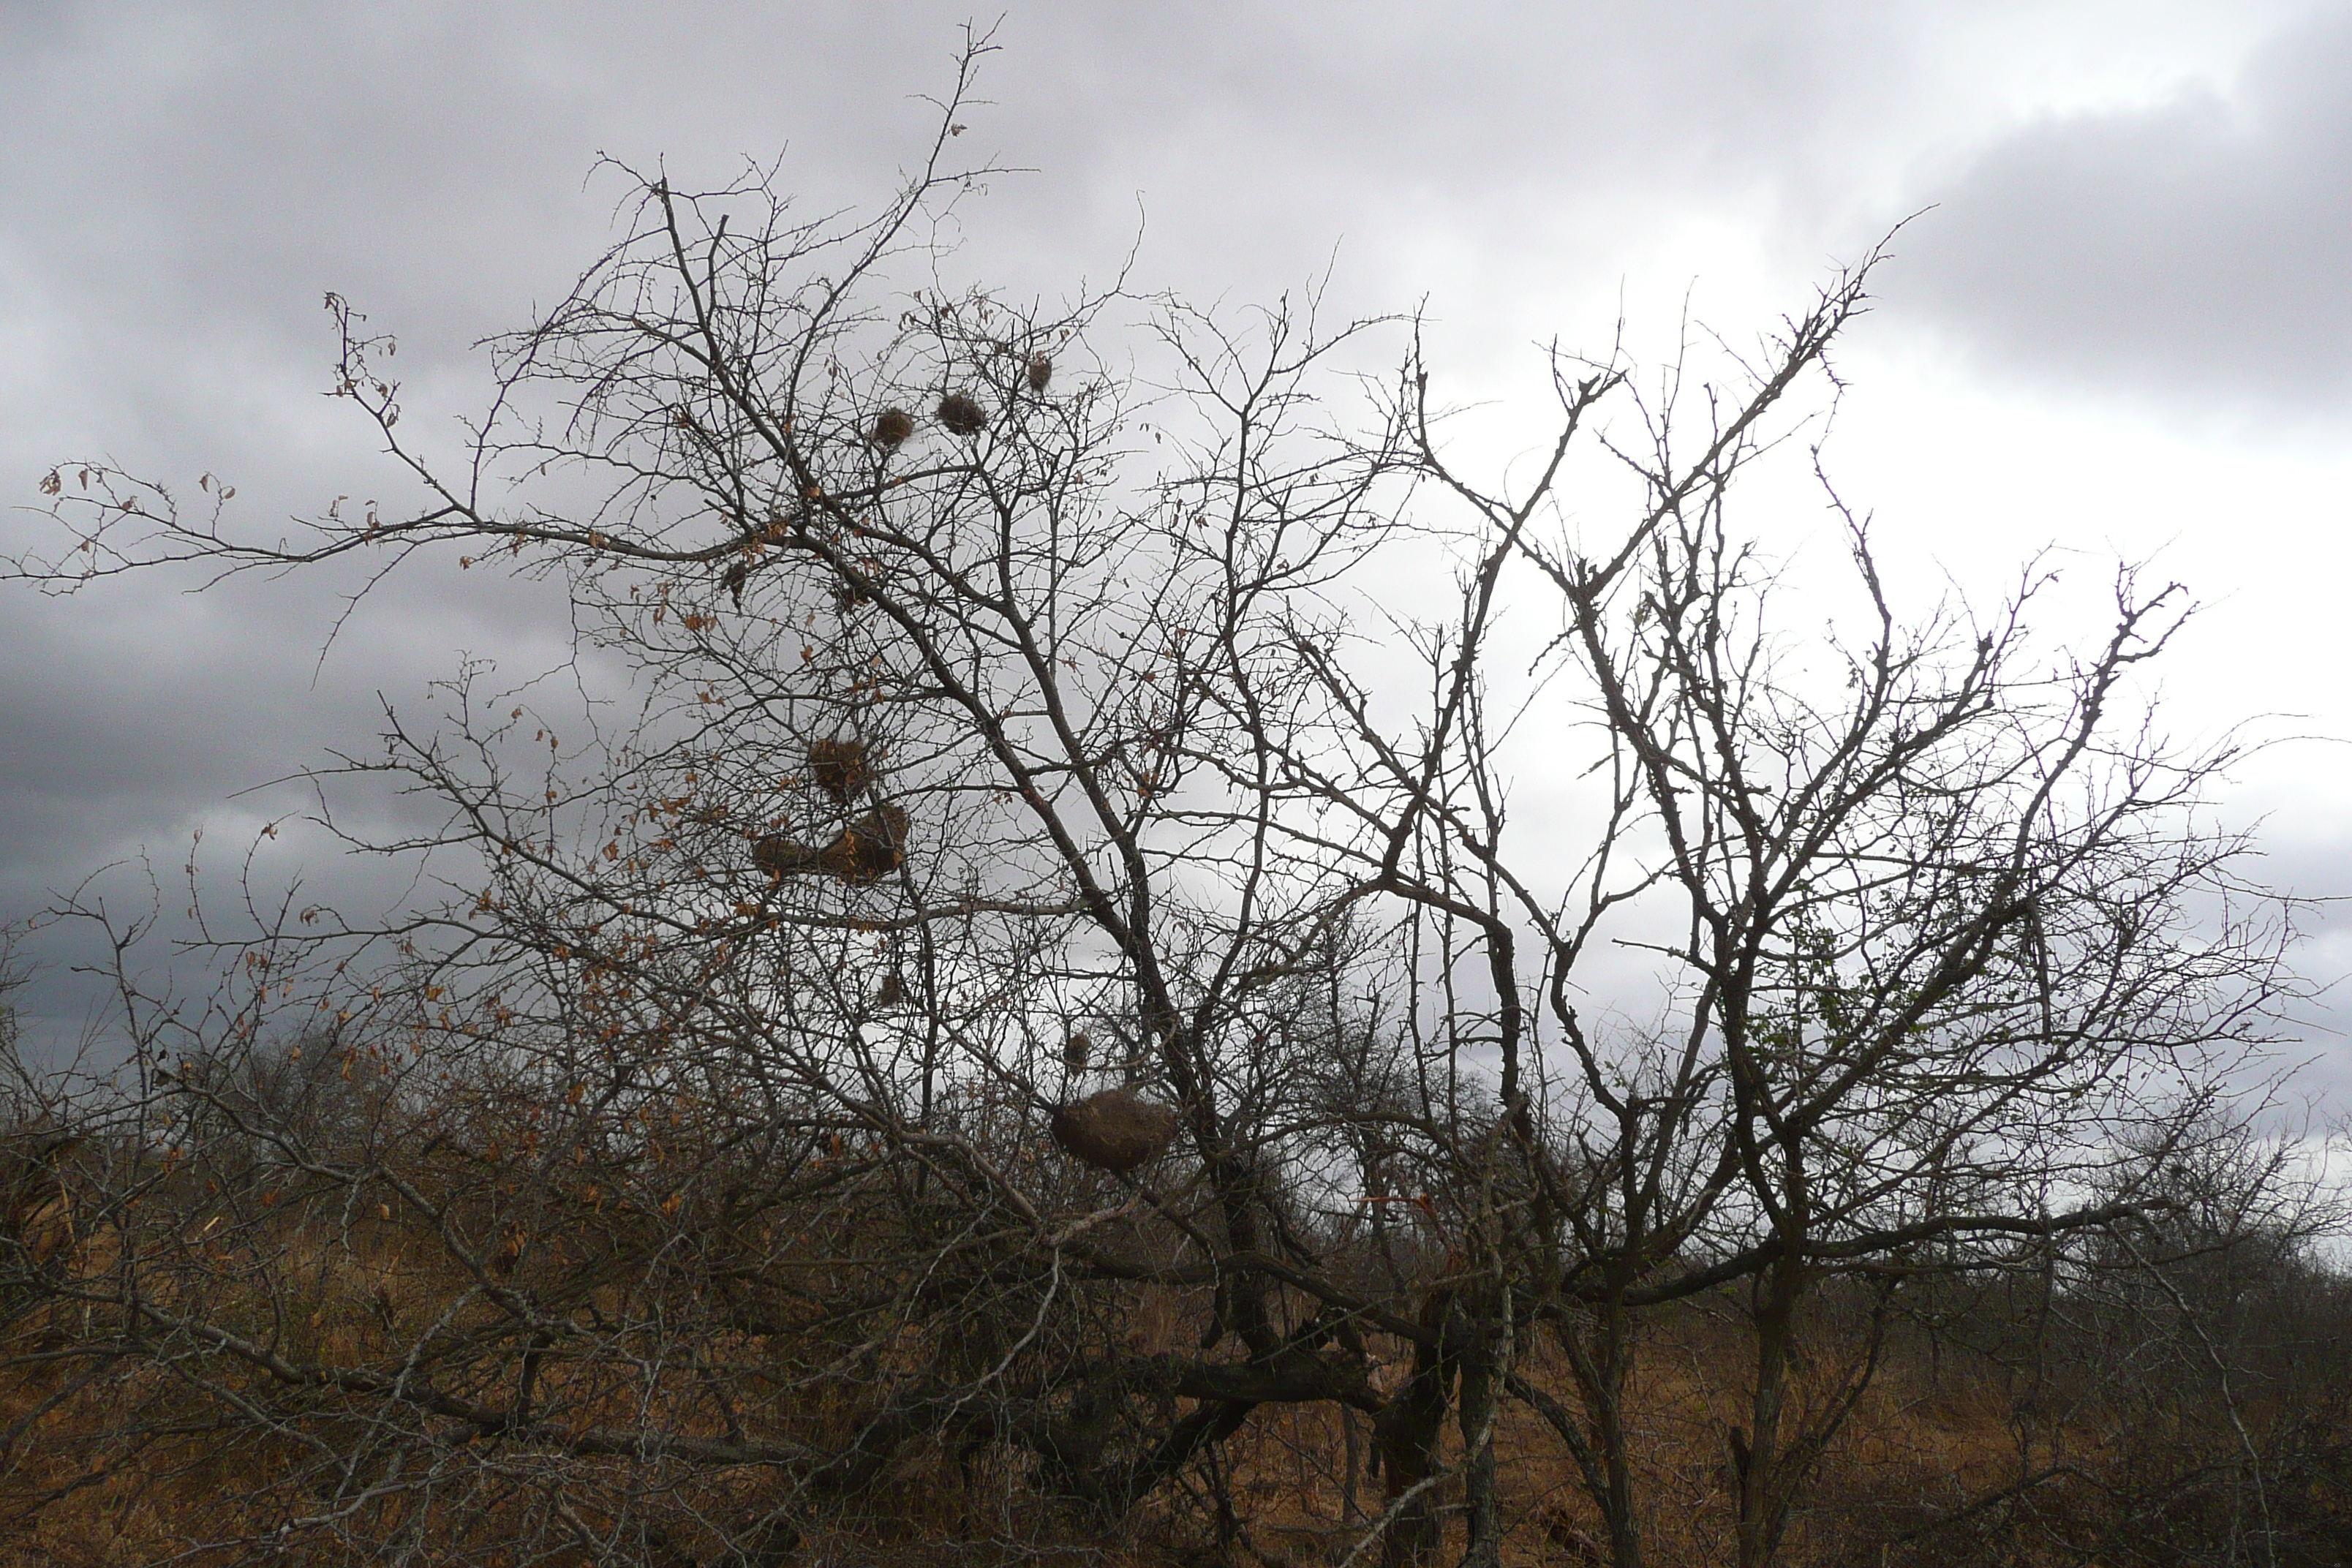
x: 1041, y: 371
x: 1075, y: 1050
x: 868, y: 848
x: 890, y: 428
x: 781, y: 856
x: 961, y: 414
x: 1115, y: 1131
x: 842, y: 766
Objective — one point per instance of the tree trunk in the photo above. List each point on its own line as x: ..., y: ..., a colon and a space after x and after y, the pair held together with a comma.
x: 1409, y: 1430
x: 1601, y: 1362
x: 1760, y: 1493
x: 1480, y: 1375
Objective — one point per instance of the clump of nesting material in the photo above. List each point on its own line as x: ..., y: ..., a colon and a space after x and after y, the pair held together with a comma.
x: 868, y: 848
x: 961, y: 414
x: 1115, y: 1131
x: 780, y: 855
x: 842, y: 766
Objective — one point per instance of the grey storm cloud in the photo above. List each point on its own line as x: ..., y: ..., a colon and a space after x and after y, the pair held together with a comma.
x: 184, y: 181
x: 2193, y: 250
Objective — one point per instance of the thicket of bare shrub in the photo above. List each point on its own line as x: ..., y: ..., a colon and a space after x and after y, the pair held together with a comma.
x: 722, y: 1173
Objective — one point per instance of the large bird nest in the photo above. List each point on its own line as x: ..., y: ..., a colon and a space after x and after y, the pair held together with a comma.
x: 1115, y: 1131
x: 868, y: 848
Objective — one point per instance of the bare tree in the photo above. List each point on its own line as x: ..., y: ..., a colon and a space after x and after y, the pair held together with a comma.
x: 1924, y: 911
x: 1022, y: 1001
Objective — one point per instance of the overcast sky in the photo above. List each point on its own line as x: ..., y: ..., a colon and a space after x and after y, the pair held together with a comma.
x: 2120, y: 324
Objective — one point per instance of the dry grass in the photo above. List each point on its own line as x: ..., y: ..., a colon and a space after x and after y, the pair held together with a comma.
x: 117, y: 1454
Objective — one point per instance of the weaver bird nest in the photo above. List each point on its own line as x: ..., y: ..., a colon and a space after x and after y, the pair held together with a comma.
x: 842, y: 767
x: 961, y: 414
x: 1115, y: 1131
x: 867, y: 849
